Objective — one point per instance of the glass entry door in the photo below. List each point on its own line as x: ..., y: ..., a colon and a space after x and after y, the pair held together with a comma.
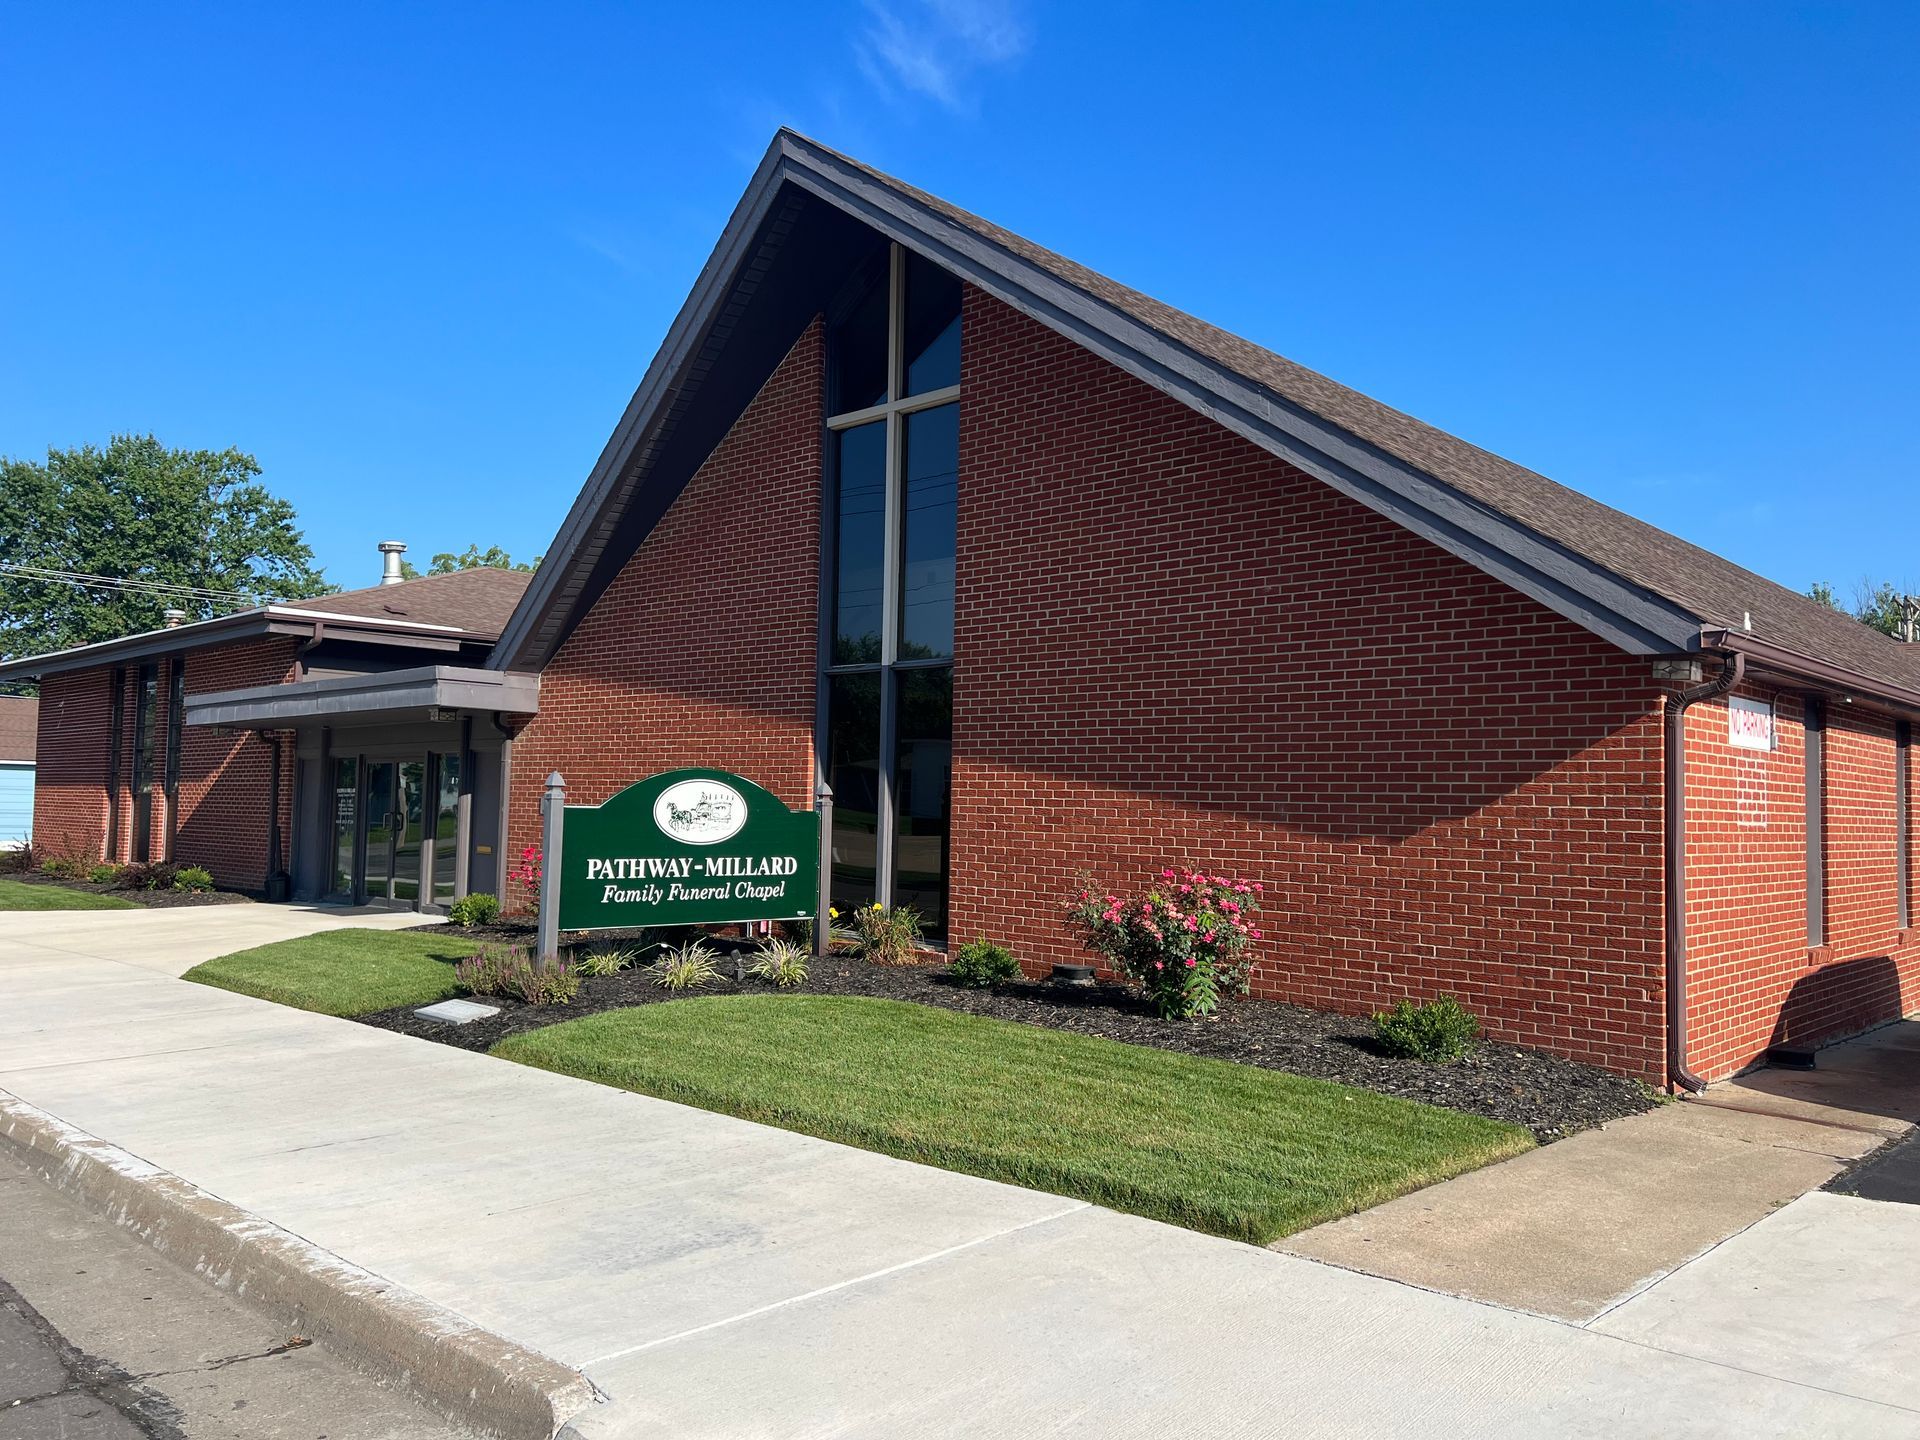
x: 395, y: 798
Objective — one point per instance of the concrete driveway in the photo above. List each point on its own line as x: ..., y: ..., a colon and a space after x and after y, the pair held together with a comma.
x: 718, y: 1278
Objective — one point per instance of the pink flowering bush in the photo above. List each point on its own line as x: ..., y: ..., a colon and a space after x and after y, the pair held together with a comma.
x: 1183, y: 941
x: 527, y: 875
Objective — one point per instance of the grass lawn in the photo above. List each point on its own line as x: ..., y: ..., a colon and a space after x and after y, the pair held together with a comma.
x: 343, y: 972
x: 1247, y: 1153
x: 17, y: 895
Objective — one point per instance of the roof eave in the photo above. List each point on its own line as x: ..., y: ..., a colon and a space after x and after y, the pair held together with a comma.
x: 1780, y: 662
x: 291, y: 620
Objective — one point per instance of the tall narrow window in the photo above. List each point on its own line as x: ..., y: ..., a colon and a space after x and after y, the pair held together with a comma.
x: 146, y: 700
x: 1816, y: 728
x: 345, y: 870
x: 176, y: 730
x: 116, y: 721
x: 887, y: 748
x: 1903, y: 820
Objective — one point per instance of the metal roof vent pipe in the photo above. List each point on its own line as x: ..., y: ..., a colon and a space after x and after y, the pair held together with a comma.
x: 390, y: 553
x: 173, y: 618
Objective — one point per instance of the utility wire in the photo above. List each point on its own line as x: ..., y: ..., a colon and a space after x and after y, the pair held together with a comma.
x: 159, y: 589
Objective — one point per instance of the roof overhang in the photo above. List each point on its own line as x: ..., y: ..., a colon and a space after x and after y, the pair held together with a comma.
x: 1778, y: 663
x: 1604, y: 602
x: 299, y: 621
x: 432, y: 691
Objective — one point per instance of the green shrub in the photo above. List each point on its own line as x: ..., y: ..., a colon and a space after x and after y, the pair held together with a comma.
x: 479, y: 908
x: 683, y: 968
x: 981, y: 963
x: 102, y: 874
x: 604, y: 960
x: 1439, y: 1030
x: 62, y: 867
x: 781, y: 963
x: 193, y: 877
x: 888, y: 937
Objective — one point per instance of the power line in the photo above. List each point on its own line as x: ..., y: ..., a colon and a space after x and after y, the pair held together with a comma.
x: 158, y: 589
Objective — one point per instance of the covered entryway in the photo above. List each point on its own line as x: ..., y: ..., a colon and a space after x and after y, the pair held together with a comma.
x: 398, y: 779
x: 396, y: 829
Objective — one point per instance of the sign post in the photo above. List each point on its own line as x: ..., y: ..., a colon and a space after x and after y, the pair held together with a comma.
x: 552, y: 812
x: 689, y: 847
x: 823, y: 906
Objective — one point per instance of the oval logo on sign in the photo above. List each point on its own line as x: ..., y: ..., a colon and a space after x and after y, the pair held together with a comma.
x: 700, y: 812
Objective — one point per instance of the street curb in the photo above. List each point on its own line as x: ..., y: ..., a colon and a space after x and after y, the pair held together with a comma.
x: 474, y: 1377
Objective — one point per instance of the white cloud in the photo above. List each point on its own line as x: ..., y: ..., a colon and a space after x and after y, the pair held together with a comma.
x: 933, y: 47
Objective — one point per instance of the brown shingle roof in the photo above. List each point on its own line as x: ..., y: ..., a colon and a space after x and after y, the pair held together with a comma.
x: 478, y: 600
x: 19, y: 727
x: 1715, y: 590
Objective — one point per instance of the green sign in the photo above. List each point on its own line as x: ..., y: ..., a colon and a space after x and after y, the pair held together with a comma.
x: 691, y: 847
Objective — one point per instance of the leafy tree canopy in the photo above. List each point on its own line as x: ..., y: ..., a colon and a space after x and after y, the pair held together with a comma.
x: 1879, y: 604
x: 474, y: 558
x: 138, y: 510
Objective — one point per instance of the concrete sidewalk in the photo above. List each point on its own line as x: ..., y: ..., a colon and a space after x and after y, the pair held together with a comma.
x: 1577, y: 1228
x: 715, y: 1277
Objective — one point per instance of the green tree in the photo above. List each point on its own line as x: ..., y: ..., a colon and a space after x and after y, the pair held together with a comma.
x: 1878, y: 604
x: 137, y: 510
x: 474, y: 558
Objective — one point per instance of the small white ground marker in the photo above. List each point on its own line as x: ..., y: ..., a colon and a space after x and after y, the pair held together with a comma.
x: 457, y: 1012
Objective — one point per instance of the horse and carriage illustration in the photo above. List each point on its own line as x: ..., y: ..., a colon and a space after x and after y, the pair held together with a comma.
x: 711, y: 811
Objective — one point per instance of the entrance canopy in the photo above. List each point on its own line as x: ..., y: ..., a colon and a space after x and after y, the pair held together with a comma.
x: 431, y: 692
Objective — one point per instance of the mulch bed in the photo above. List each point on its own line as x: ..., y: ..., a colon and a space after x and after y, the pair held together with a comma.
x: 1550, y: 1096
x: 153, y: 899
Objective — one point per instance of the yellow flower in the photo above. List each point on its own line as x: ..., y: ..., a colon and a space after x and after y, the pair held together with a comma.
x: 832, y: 914
x: 878, y: 906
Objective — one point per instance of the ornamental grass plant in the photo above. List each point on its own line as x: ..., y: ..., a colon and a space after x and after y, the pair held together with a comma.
x: 888, y: 937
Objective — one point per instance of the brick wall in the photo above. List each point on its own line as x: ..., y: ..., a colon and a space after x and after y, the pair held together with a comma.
x: 1173, y: 647
x: 1753, y: 979
x: 222, y: 821
x: 702, y: 650
x: 69, y: 787
x: 225, y: 779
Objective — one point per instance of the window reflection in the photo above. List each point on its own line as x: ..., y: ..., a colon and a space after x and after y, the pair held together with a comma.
x: 853, y: 770
x: 860, y: 548
x: 932, y: 466
x: 932, y: 337
x: 923, y: 792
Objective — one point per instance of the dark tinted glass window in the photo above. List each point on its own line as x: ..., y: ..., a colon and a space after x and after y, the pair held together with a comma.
x: 853, y: 770
x: 931, y: 473
x: 858, y: 351
x: 346, y: 811
x: 446, y: 827
x: 923, y: 792
x: 860, y: 543
x: 933, y: 327
x: 145, y: 708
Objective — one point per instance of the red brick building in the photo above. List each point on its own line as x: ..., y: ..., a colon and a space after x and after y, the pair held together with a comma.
x: 1045, y: 579
x: 218, y: 743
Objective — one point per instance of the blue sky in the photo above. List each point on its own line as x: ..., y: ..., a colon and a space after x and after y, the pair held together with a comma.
x: 415, y: 258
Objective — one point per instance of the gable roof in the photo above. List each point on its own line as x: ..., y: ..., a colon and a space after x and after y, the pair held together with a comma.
x: 1637, y: 586
x: 464, y: 607
x: 19, y: 727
